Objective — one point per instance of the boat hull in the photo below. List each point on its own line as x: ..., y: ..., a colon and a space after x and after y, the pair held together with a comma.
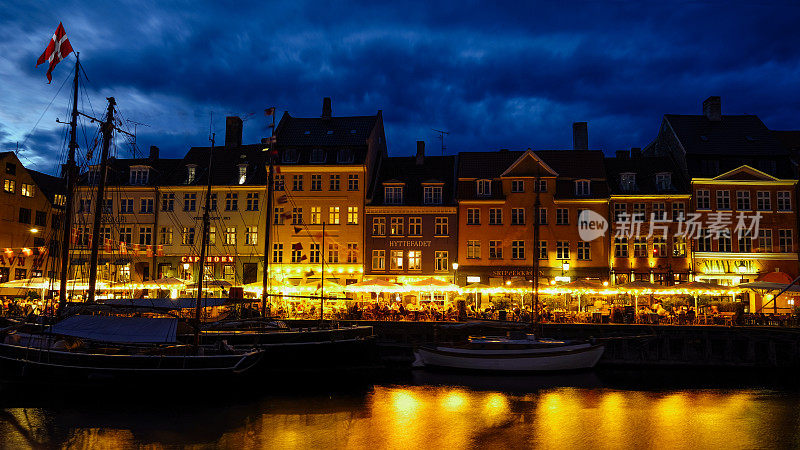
x: 41, y: 363
x: 574, y: 357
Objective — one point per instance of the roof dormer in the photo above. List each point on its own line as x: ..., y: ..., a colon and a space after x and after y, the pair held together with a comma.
x: 139, y: 175
x: 484, y: 188
x: 393, y: 192
x: 191, y: 173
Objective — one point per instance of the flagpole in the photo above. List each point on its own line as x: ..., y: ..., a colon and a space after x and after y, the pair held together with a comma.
x: 66, y: 219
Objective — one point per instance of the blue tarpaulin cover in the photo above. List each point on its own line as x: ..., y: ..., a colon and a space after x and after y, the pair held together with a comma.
x: 129, y: 330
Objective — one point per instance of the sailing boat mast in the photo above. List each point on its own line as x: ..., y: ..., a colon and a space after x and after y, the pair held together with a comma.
x: 535, y: 285
x: 66, y: 219
x: 270, y: 187
x: 203, y: 245
x: 106, y: 128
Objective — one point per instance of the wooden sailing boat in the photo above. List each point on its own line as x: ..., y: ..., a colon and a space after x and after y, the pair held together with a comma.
x: 86, y: 346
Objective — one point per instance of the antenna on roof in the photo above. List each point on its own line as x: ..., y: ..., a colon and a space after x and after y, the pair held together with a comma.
x: 441, y: 137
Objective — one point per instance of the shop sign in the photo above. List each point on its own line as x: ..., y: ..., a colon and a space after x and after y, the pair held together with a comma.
x: 209, y: 259
x: 411, y: 243
x: 511, y: 272
x: 728, y: 266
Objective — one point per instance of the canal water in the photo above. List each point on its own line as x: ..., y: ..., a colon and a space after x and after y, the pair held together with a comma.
x: 603, y: 409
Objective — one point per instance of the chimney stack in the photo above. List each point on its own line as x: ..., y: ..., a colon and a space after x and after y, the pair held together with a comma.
x: 712, y: 108
x: 326, y: 108
x: 636, y: 152
x: 580, y: 136
x: 233, y: 132
x: 153, y: 153
x: 622, y: 154
x: 420, y: 153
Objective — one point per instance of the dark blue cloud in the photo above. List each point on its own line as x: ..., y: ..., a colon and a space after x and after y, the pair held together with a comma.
x: 494, y: 74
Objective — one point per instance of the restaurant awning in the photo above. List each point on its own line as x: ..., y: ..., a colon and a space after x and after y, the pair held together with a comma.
x: 433, y: 285
x: 375, y: 285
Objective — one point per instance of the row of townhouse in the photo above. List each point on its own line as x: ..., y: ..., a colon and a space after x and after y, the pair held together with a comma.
x: 152, y: 219
x: 712, y: 198
x: 468, y: 217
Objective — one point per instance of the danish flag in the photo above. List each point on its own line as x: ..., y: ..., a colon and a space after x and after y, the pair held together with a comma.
x: 58, y: 49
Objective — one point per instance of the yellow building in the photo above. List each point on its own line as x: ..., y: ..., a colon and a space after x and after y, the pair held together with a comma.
x: 323, y: 175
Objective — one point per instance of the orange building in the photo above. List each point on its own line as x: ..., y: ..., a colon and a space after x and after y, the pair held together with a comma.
x: 30, y: 213
x: 497, y: 197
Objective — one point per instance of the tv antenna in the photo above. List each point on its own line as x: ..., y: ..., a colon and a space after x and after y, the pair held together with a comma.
x: 441, y: 137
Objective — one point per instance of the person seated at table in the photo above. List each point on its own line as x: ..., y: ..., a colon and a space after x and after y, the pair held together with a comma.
x: 661, y: 311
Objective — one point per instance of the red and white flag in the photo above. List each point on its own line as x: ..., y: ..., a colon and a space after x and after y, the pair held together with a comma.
x: 58, y: 49
x: 269, y: 111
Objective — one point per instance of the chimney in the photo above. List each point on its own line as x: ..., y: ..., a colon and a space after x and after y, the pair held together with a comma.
x: 420, y: 153
x: 580, y: 136
x: 636, y: 152
x: 622, y: 154
x: 233, y: 132
x: 712, y: 108
x: 153, y: 153
x: 326, y: 108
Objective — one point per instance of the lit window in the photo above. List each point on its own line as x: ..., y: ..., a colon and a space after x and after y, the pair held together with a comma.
x: 333, y: 215
x: 316, y: 215
x: 378, y: 259
x: 251, y: 236
x: 242, y: 173
x: 27, y: 190
x: 191, y: 172
x: 396, y: 260
x: 352, y: 215
x: 440, y: 262
x: 473, y: 249
x: 230, y: 236
x: 396, y: 226
x: 414, y: 260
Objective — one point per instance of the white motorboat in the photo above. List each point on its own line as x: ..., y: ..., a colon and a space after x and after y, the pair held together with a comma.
x: 502, y: 354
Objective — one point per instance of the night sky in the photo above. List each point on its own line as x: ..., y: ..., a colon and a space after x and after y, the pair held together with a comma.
x: 495, y: 74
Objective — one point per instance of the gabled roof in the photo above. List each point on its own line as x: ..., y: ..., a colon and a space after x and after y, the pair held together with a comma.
x: 404, y: 169
x: 119, y: 170
x: 744, y: 135
x: 330, y: 134
x: 646, y: 168
x: 745, y: 173
x: 225, y: 165
x: 529, y: 164
x: 790, y: 139
x: 48, y: 184
x: 570, y: 165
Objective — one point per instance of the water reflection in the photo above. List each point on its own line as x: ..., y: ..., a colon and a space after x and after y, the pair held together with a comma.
x: 464, y: 413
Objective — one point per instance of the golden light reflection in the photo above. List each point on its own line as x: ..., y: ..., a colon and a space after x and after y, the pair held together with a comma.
x: 454, y: 401
x: 404, y: 403
x: 446, y: 417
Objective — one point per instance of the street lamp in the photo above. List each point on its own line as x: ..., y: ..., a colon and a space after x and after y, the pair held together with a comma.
x: 34, y: 230
x: 455, y: 269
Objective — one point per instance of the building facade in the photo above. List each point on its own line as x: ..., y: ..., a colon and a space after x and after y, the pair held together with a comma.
x: 498, y: 195
x: 648, y: 206
x: 325, y: 170
x: 30, y: 213
x: 411, y: 229
x: 744, y: 192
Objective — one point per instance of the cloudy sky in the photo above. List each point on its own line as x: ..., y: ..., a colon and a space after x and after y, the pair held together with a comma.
x: 495, y: 74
